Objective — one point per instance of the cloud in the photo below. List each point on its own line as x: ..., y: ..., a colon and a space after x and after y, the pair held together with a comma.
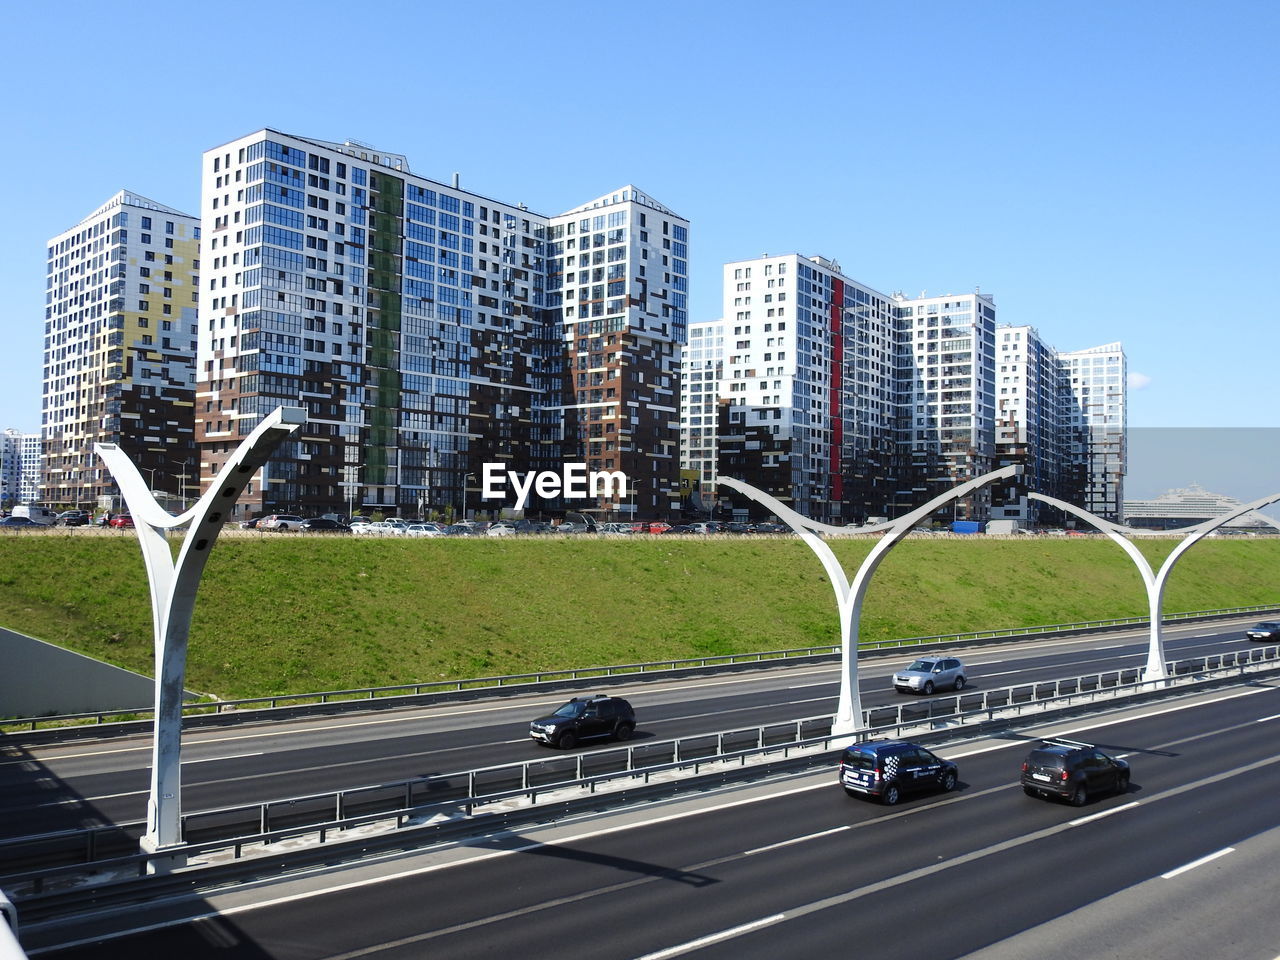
x: 1138, y: 381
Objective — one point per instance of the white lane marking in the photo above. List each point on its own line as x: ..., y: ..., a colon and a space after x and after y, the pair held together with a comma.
x: 75, y: 800
x: 1264, y: 720
x: 238, y: 756
x: 794, y: 840
x: 713, y: 938
x: 1197, y: 863
x: 1103, y: 813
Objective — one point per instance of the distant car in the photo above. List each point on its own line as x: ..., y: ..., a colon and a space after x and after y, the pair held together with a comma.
x: 585, y: 718
x: 657, y: 526
x: 681, y: 528
x: 281, y: 522
x: 1266, y: 630
x: 1072, y: 771
x: 73, y: 518
x: 252, y: 524
x: 424, y: 530
x: 886, y: 769
x: 615, y: 529
x: 323, y: 525
x: 739, y: 528
x: 500, y: 528
x: 532, y: 526
x: 123, y: 520
x: 929, y: 674
x: 460, y: 530
x: 772, y: 528
x: 20, y: 522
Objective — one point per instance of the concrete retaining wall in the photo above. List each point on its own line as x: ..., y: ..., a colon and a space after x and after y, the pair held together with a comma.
x: 38, y: 679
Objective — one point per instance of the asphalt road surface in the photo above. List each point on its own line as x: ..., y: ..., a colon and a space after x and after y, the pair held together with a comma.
x: 1179, y: 866
x: 57, y: 787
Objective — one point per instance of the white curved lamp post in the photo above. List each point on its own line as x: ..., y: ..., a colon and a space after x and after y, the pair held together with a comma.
x: 849, y: 596
x: 1154, y: 580
x: 173, y: 595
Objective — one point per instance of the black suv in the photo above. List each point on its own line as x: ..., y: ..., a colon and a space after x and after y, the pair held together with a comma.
x: 1067, y: 770
x: 888, y: 768
x: 585, y: 718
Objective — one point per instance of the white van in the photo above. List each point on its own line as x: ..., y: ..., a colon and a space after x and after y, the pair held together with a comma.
x: 35, y: 513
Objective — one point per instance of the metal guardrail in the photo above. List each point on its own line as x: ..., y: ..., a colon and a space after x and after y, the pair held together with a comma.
x: 460, y: 793
x: 360, y: 696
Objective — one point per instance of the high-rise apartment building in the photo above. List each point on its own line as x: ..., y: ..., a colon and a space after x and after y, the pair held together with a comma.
x: 119, y: 347
x: 846, y: 403
x: 429, y: 330
x: 946, y: 386
x: 618, y: 277
x: 807, y: 391
x: 701, y: 369
x: 1097, y: 416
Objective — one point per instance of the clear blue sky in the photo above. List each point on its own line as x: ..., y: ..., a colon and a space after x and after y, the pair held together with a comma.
x: 1106, y: 170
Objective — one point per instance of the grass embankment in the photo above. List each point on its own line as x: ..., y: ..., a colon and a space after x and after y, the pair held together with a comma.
x: 289, y: 614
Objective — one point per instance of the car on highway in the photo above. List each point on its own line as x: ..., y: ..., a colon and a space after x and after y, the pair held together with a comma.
x: 1072, y: 771
x: 281, y: 522
x: 585, y: 718
x: 1266, y: 630
x: 887, y: 769
x: 929, y: 674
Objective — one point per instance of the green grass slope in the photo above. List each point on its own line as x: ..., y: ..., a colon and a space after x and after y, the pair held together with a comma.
x: 288, y: 614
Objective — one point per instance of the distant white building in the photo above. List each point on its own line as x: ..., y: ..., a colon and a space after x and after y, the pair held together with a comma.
x: 1098, y: 420
x: 19, y: 467
x: 1185, y: 507
x: 701, y: 367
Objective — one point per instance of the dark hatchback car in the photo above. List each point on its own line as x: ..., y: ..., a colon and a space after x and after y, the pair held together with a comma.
x: 1266, y: 630
x: 585, y: 718
x: 1071, y: 771
x: 886, y: 769
x: 19, y: 522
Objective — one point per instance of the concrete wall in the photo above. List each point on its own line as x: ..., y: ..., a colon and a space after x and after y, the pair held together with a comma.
x: 38, y: 679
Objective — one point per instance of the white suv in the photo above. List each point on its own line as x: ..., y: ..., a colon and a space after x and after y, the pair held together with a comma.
x: 930, y: 673
x: 281, y: 521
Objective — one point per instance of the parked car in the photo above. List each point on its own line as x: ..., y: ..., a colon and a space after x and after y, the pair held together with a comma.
x: 460, y: 530
x: 500, y: 528
x: 886, y: 769
x: 533, y: 526
x: 1072, y: 771
x: 739, y: 528
x: 73, y: 518
x: 281, y: 522
x: 657, y: 526
x: 424, y: 530
x: 323, y: 525
x: 252, y: 523
x: 680, y: 528
x: 35, y: 513
x: 772, y: 528
x: 20, y: 522
x: 120, y: 521
x: 1266, y: 630
x: 929, y: 674
x: 585, y: 718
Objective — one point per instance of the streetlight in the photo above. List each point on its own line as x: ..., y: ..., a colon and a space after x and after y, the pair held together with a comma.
x: 469, y: 476
x: 634, y: 485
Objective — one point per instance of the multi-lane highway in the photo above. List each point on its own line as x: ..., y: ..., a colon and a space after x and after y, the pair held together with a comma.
x: 89, y: 783
x: 1180, y: 866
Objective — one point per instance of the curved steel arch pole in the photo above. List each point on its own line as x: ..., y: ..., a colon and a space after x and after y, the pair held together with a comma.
x: 173, y: 595
x: 1155, y: 580
x: 849, y: 596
